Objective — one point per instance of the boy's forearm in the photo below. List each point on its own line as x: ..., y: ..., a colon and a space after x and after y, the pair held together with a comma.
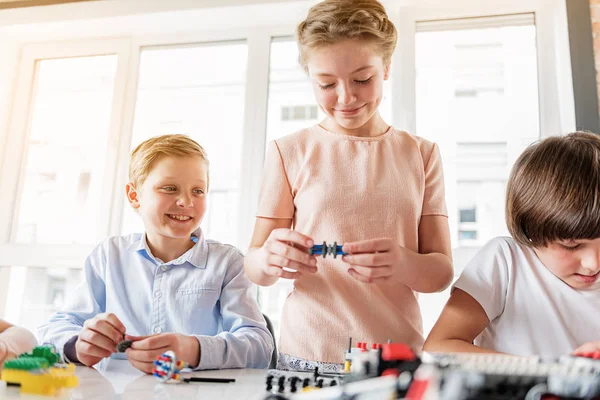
x: 248, y: 347
x: 454, y: 346
x: 253, y: 269
x: 193, y: 352
x: 426, y: 273
x: 17, y: 340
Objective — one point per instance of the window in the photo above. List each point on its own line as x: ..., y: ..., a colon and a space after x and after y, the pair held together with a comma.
x: 289, y: 113
x: 180, y: 92
x: 66, y: 151
x: 477, y: 97
x: 468, y: 215
x: 35, y: 293
x: 484, y: 99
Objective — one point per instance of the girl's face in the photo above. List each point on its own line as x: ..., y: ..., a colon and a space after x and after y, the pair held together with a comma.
x: 575, y: 262
x: 347, y: 79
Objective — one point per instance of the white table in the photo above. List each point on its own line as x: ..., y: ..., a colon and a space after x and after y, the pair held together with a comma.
x: 117, y: 379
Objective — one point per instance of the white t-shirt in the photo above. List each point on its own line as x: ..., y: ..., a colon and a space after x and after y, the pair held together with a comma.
x: 531, y: 311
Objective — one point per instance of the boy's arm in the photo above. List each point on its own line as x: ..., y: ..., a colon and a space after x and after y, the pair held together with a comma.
x: 86, y: 301
x: 245, y: 341
x: 14, y: 340
x: 461, y: 321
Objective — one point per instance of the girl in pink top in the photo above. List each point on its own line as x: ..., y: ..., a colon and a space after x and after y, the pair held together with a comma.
x: 355, y: 180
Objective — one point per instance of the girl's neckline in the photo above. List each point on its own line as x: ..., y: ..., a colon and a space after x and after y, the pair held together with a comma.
x: 385, y: 134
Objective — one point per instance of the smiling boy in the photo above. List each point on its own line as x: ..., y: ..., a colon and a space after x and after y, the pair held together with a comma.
x: 168, y: 288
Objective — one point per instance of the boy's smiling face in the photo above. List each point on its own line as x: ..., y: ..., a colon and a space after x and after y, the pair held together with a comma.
x: 576, y: 262
x: 172, y: 198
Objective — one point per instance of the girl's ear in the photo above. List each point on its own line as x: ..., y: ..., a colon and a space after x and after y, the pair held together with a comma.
x: 132, y: 195
x: 386, y: 72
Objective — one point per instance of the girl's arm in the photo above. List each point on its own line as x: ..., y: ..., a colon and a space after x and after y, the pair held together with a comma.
x: 14, y: 340
x: 275, y: 246
x: 429, y: 270
x: 461, y: 321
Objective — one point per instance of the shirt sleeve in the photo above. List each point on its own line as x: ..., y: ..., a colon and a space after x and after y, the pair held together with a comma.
x: 434, y: 202
x: 245, y: 341
x: 87, y: 300
x: 486, y: 278
x: 275, y: 199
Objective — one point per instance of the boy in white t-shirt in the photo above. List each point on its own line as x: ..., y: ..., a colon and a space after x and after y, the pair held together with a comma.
x: 537, y: 293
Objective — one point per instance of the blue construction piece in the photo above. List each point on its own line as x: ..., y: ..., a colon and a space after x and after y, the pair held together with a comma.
x: 325, y: 249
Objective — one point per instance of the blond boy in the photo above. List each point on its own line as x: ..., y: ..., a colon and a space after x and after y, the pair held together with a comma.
x: 169, y: 288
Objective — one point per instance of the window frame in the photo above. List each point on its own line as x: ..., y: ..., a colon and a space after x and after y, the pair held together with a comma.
x: 89, y: 36
x: 11, y: 183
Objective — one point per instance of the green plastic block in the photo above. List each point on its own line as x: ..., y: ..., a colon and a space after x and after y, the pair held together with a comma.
x: 27, y: 363
x: 47, y: 352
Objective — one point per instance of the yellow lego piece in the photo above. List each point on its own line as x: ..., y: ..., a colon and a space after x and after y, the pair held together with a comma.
x: 310, y: 389
x: 44, y: 382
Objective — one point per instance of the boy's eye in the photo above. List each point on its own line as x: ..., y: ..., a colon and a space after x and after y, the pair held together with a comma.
x: 198, y: 191
x: 169, y: 188
x: 570, y: 247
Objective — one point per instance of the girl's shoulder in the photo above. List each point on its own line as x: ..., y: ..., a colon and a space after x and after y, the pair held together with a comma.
x: 425, y: 146
x: 299, y: 137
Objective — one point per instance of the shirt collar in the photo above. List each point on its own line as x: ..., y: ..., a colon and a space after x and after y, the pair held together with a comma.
x: 197, y: 255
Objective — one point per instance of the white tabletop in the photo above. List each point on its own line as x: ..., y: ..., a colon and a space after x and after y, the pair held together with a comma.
x: 117, y: 379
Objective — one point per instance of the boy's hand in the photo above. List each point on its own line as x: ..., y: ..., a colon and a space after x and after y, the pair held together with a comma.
x: 278, y: 253
x: 373, y: 260
x: 589, y: 347
x: 99, y: 338
x: 145, y: 349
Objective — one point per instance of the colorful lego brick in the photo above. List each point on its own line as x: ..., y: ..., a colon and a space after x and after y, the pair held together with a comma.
x: 167, y: 368
x: 38, y: 372
x: 45, y: 381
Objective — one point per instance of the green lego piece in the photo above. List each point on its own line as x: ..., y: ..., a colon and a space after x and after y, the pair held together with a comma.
x: 41, y: 357
x: 27, y: 363
x: 47, y: 352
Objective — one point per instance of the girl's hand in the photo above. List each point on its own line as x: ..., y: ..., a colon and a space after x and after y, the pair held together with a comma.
x: 589, y: 347
x: 145, y: 349
x: 285, y: 254
x: 373, y: 260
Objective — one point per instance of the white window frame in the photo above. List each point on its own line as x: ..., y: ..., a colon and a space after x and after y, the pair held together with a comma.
x: 557, y: 106
x: 133, y: 25
x: 12, y: 174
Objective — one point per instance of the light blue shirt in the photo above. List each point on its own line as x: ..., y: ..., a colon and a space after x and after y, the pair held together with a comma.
x: 203, y: 293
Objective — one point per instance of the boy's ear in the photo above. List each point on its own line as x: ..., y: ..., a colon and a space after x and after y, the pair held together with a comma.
x: 132, y: 195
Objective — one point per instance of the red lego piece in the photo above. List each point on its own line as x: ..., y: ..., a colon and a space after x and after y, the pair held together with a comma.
x: 397, y: 352
x: 391, y: 372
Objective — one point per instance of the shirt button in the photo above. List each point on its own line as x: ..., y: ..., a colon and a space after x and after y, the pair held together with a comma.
x: 163, y: 268
x: 157, y: 329
x: 157, y: 295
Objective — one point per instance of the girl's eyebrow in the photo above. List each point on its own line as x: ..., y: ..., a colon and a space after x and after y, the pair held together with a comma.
x: 353, y: 72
